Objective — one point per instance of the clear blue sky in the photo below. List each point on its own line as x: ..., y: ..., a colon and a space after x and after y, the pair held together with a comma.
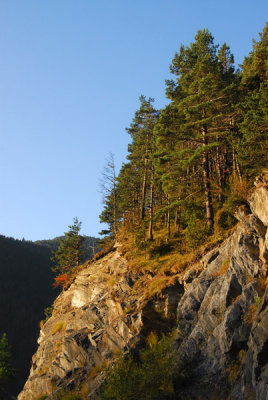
x: 71, y: 73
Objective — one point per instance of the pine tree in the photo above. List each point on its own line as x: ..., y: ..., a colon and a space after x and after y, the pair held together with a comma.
x: 128, y: 193
x: 252, y: 142
x: 141, y: 149
x: 69, y: 253
x: 169, y: 171
x: 202, y: 97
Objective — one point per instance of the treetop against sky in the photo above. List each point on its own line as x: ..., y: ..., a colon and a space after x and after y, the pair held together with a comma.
x: 71, y: 74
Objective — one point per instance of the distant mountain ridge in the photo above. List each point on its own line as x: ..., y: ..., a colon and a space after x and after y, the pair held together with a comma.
x: 26, y: 289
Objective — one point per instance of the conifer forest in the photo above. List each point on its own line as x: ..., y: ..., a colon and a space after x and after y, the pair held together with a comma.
x: 194, y: 160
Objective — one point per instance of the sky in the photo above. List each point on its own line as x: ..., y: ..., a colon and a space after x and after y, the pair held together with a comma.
x: 71, y: 74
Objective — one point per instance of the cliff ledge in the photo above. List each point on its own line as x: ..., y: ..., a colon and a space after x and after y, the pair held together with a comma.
x: 218, y: 307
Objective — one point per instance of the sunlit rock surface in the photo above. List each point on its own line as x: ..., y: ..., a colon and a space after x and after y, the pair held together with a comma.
x: 218, y: 306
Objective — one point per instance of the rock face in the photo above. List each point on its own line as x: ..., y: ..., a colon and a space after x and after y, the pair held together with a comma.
x: 223, y: 320
x: 219, y: 307
x: 86, y: 328
x: 97, y: 318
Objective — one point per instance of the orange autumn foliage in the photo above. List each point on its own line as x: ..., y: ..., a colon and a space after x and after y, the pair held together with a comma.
x: 61, y: 280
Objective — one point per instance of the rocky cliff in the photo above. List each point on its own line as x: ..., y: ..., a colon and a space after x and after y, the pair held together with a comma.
x: 218, y: 307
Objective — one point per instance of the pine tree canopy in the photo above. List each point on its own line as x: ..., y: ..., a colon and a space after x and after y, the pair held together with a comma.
x: 184, y: 160
x: 69, y: 253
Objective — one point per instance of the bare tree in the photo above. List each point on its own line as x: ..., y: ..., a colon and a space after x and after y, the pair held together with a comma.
x: 108, y: 190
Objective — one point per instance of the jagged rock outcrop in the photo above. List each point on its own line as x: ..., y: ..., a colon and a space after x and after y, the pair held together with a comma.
x: 87, y: 327
x: 219, y: 307
x: 223, y: 319
x: 98, y: 317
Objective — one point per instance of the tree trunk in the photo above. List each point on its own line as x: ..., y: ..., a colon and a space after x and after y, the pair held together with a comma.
x: 143, y: 191
x: 206, y: 177
x: 220, y: 174
x: 151, y: 205
x: 225, y: 165
x: 133, y: 208
x: 168, y: 220
x: 177, y: 220
x: 236, y: 167
x: 115, y: 221
x: 114, y: 198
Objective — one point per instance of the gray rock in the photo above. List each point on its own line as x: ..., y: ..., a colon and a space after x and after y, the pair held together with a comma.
x: 223, y: 319
x: 219, y: 307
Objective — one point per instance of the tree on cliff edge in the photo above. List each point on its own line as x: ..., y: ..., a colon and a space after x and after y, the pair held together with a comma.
x: 108, y: 188
x: 70, y: 251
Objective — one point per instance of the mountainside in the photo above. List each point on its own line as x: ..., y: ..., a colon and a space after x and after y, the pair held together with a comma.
x: 216, y: 307
x: 25, y: 291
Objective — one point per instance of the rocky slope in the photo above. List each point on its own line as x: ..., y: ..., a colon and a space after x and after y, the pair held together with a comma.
x: 218, y: 306
x: 223, y: 315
